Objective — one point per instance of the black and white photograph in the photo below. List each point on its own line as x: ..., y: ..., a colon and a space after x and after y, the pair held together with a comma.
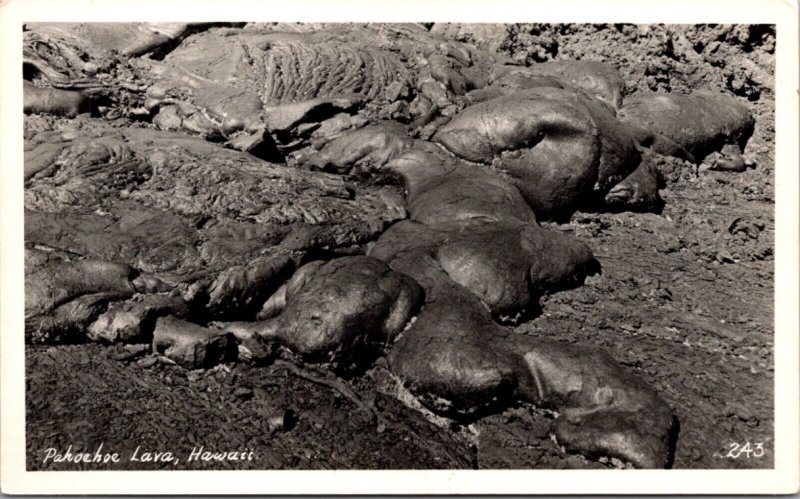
x: 301, y: 245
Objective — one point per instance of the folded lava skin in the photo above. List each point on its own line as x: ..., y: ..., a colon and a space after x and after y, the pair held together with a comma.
x: 343, y: 194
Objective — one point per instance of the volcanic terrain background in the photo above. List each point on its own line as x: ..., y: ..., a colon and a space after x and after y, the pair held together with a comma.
x: 684, y: 300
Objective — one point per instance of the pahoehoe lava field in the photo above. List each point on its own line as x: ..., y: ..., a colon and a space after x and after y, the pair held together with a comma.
x: 399, y: 246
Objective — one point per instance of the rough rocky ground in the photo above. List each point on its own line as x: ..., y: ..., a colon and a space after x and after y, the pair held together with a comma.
x: 684, y: 301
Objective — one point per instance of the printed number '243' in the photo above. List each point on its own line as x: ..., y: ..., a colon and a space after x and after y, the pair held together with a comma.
x: 735, y: 450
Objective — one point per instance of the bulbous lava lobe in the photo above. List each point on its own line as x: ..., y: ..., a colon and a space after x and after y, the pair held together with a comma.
x: 559, y: 146
x: 341, y: 310
x: 440, y: 188
x: 688, y: 125
x: 53, y: 282
x: 367, y: 148
x: 481, y: 232
x: 559, y: 169
x: 618, y: 154
x: 460, y: 362
x: 453, y: 355
x: 506, y: 264
x: 63, y: 297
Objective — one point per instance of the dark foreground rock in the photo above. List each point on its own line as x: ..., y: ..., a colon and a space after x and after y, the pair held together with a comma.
x: 344, y: 313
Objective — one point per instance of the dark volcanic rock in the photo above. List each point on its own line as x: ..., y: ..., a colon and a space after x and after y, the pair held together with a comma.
x: 240, y: 289
x: 186, y: 212
x: 368, y: 148
x: 598, y: 79
x: 506, y: 264
x: 697, y: 123
x: 639, y: 190
x: 54, y: 282
x: 63, y: 297
x: 461, y: 363
x: 557, y: 145
x: 440, y: 188
x: 151, y: 240
x: 345, y: 312
x: 213, y: 190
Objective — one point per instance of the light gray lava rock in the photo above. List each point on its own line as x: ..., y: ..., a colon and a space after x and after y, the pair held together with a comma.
x: 190, y: 345
x: 133, y: 321
x: 53, y: 101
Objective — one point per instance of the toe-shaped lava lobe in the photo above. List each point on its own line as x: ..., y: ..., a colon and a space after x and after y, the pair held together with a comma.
x: 341, y: 313
x: 440, y: 188
x: 367, y: 149
x: 604, y: 410
x: 53, y: 101
x: 63, y: 297
x: 618, y: 153
x: 454, y: 357
x: 54, y: 281
x: 551, y: 147
x: 479, y: 232
x: 190, y: 345
x: 561, y: 147
x: 690, y: 126
x: 506, y: 264
x: 461, y: 362
x: 639, y: 190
